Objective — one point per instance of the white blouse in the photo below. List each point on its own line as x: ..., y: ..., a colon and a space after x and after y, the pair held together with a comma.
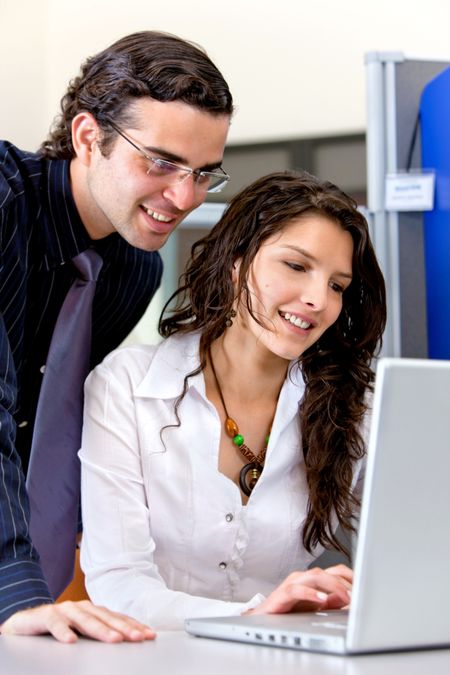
x: 165, y: 533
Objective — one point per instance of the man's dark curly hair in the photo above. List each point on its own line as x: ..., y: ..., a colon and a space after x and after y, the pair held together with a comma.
x: 148, y: 63
x: 336, y: 369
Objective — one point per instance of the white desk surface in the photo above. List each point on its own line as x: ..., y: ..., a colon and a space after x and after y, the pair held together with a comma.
x: 180, y: 654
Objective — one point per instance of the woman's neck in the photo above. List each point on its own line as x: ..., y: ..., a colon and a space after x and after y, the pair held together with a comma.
x: 243, y: 382
x: 245, y: 370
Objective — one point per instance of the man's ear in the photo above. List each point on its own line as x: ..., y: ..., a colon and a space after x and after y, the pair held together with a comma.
x: 85, y: 136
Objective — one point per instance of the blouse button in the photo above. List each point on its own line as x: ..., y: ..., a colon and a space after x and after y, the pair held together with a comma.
x: 223, y: 565
x: 23, y: 424
x: 42, y: 369
x: 229, y: 517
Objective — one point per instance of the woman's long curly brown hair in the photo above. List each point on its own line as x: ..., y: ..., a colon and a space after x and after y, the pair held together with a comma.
x: 149, y: 63
x: 336, y: 369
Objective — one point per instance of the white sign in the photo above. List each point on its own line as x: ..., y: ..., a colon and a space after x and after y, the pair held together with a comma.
x: 410, y: 191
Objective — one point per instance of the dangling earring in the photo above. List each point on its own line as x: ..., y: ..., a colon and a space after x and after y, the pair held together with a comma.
x: 229, y: 318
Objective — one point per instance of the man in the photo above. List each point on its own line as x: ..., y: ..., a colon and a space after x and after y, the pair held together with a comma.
x: 137, y: 147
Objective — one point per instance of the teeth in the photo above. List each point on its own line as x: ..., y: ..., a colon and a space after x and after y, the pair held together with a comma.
x: 296, y: 321
x: 158, y: 216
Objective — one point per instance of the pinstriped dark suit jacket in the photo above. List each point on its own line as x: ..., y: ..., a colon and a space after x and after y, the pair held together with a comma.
x: 40, y: 231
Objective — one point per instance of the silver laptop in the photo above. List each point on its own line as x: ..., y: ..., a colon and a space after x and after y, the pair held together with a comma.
x: 401, y: 593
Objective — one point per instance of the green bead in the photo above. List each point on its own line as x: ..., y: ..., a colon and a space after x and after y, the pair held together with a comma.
x: 267, y: 439
x: 238, y: 439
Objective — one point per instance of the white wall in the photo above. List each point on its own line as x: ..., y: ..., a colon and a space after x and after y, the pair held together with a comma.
x: 295, y: 67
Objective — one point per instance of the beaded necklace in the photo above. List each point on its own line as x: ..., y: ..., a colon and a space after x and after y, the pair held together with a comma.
x: 249, y: 474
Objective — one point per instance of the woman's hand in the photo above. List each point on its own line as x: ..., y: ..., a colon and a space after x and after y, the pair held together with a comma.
x: 309, y: 591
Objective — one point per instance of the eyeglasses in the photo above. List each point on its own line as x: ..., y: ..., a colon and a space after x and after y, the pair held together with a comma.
x: 205, y: 181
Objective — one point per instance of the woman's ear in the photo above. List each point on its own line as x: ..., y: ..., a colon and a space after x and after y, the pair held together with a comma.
x: 235, y: 271
x: 85, y: 136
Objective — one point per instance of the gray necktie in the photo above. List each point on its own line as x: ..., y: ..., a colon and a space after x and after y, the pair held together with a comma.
x: 53, y: 480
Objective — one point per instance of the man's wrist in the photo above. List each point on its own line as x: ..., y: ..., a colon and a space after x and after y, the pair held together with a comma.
x: 22, y: 586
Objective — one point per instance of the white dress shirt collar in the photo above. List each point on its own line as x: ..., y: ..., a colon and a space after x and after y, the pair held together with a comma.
x: 178, y: 356
x: 173, y: 359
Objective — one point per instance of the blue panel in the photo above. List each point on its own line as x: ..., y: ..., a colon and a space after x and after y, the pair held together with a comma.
x: 435, y: 128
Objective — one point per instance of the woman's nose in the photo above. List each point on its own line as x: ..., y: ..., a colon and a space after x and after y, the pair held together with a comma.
x: 315, y: 295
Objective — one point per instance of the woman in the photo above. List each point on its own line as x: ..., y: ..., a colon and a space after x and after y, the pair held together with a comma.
x: 217, y: 466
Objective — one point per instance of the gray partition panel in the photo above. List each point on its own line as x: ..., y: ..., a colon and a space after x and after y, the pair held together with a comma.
x: 397, y: 83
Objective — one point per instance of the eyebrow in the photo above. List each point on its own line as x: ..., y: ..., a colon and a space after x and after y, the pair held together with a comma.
x: 177, y: 159
x: 308, y: 255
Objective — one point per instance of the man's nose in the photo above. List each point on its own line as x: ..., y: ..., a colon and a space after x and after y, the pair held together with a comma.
x: 184, y: 194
